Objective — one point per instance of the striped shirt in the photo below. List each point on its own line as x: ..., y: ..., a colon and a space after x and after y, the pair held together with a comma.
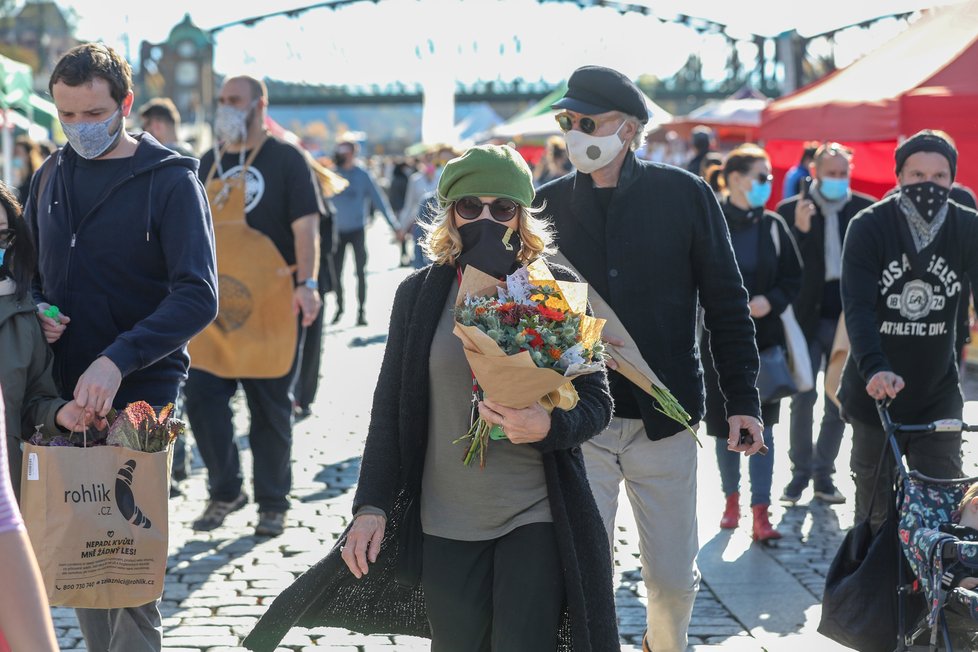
x: 9, y: 512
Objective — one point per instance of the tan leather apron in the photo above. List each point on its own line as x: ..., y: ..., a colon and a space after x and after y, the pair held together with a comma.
x: 255, y: 333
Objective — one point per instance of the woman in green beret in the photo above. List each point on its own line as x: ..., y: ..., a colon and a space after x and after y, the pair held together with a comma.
x: 510, y: 557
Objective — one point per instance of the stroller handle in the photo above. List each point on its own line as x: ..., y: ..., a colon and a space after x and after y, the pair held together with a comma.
x: 942, y: 425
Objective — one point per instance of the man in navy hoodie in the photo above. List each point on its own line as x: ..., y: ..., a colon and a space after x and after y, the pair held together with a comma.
x: 126, y: 251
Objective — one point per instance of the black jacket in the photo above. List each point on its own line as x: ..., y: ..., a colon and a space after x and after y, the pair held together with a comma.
x: 664, y: 245
x: 808, y: 303
x: 137, y: 275
x: 390, y: 478
x: 901, y: 311
x: 778, y: 278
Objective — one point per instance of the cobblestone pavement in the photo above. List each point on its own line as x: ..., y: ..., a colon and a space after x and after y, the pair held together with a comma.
x: 219, y: 583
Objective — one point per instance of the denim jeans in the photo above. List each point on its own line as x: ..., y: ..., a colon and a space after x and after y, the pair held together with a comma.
x: 419, y: 258
x: 821, y: 466
x: 760, y: 468
x: 270, y: 435
x: 133, y: 629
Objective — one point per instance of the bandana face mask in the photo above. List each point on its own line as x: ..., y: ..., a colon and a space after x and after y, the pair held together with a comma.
x: 231, y: 124
x: 92, y: 139
x: 927, y: 197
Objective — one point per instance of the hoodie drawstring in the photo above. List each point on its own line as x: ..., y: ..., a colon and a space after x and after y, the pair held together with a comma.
x: 149, y: 203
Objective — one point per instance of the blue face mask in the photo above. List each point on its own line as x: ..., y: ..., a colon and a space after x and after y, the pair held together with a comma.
x: 759, y: 193
x: 833, y: 189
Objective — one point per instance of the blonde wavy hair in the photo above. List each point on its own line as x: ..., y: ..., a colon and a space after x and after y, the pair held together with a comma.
x: 442, y: 243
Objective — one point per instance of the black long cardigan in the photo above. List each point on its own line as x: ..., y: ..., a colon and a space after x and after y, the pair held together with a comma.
x: 390, y: 478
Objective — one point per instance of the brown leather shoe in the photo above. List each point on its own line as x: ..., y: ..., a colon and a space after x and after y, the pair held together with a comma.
x: 645, y: 642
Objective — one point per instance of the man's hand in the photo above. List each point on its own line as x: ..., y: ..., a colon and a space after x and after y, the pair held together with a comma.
x: 523, y: 426
x: 804, y: 210
x: 52, y: 328
x: 97, y: 387
x: 613, y: 341
x: 759, y: 306
x: 363, y: 543
x: 307, y: 301
x: 740, y: 422
x: 884, y: 384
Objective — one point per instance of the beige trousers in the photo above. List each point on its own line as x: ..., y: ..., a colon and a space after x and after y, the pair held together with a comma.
x: 660, y: 481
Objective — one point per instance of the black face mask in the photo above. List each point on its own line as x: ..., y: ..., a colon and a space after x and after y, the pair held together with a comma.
x: 927, y: 198
x: 490, y: 247
x: 341, y: 159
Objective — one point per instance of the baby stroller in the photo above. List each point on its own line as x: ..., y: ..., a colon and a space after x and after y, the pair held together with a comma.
x: 950, y: 618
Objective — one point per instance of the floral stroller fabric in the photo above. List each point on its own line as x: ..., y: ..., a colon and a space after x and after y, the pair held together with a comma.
x: 925, y: 504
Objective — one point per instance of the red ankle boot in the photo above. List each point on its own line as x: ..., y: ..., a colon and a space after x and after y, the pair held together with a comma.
x: 763, y: 530
x: 731, y: 513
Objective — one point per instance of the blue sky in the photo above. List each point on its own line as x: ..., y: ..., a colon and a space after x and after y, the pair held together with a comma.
x: 474, y: 39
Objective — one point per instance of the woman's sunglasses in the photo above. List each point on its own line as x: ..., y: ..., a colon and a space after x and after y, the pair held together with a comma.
x: 501, y: 210
x: 7, y: 237
x: 764, y: 178
x: 566, y: 123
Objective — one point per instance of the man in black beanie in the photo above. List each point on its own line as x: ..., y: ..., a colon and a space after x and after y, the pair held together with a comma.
x: 902, y: 267
x: 650, y: 240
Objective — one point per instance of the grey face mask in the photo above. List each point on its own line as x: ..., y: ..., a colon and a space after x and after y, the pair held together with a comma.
x: 231, y: 124
x: 92, y: 139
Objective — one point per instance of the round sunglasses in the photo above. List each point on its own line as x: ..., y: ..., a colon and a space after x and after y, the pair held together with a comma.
x: 566, y: 123
x: 501, y: 210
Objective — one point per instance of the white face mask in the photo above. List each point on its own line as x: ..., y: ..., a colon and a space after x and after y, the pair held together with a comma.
x: 589, y: 153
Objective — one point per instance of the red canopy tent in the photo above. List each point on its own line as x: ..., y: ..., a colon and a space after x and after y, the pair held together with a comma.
x: 925, y: 78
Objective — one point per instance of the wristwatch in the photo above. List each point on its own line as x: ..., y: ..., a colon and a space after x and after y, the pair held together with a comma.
x: 310, y: 283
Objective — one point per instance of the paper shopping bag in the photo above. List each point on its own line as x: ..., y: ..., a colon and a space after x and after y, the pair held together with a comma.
x: 97, y: 519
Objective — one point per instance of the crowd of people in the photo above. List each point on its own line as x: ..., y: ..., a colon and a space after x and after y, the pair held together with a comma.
x: 225, y: 262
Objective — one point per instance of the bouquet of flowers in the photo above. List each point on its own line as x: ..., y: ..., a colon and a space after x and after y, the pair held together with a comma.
x: 525, y: 342
x: 137, y: 427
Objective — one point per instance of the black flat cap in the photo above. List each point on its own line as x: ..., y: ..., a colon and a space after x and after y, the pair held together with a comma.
x: 595, y: 89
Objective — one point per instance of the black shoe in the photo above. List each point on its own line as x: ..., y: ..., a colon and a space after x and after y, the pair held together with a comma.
x: 792, y: 492
x: 301, y: 413
x: 361, y: 320
x: 270, y: 524
x: 216, y: 511
x: 337, y: 317
x: 175, y: 491
x: 827, y: 493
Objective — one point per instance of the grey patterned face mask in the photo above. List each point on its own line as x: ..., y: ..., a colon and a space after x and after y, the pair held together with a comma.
x: 92, y: 139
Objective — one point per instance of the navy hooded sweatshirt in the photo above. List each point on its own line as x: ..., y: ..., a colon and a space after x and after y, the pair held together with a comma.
x: 136, y: 274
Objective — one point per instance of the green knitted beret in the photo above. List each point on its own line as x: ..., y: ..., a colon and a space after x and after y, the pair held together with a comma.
x: 487, y: 171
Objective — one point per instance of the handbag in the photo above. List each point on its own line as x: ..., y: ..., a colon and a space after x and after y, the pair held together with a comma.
x: 774, y: 379
x: 799, y: 360
x: 860, y: 607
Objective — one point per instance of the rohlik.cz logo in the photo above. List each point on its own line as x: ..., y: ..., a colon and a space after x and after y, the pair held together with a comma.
x: 97, y: 492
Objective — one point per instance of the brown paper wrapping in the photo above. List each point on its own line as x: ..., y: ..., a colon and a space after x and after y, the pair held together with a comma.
x: 630, y: 362
x: 514, y: 380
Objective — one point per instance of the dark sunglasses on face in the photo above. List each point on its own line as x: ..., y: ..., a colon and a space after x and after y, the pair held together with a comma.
x: 501, y: 210
x: 764, y: 178
x: 7, y: 237
x: 566, y: 123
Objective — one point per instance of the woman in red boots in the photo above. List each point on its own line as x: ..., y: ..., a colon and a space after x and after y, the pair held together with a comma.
x: 771, y: 268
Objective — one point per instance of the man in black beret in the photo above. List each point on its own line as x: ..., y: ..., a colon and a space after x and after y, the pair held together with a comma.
x: 650, y: 239
x: 903, y: 263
